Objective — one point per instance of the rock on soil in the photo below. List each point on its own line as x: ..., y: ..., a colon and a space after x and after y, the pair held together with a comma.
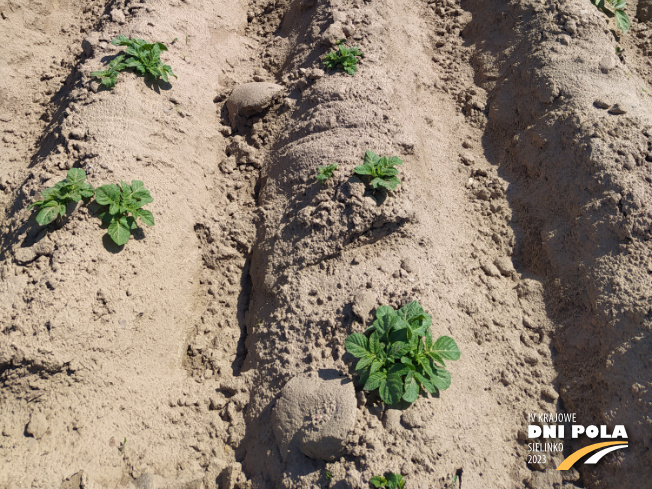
x: 315, y: 414
x: 251, y: 98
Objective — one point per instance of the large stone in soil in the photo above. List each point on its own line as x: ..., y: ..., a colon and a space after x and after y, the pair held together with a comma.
x: 314, y: 414
x: 251, y: 98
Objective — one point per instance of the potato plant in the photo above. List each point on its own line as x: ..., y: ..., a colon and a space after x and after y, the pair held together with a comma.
x: 122, y: 206
x: 140, y: 56
x: 614, y: 9
x: 55, y: 200
x: 343, y: 57
x: 398, y: 355
x: 326, y: 172
x: 390, y: 480
x: 379, y: 172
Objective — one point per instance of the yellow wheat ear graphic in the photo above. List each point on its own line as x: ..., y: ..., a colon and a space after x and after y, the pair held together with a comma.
x: 575, y: 456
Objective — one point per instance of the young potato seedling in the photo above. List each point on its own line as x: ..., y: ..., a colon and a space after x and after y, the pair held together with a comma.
x: 614, y: 8
x: 124, y: 204
x: 346, y: 58
x: 398, y: 355
x: 390, y: 481
x: 380, y: 171
x: 326, y: 172
x: 55, y: 199
x: 141, y: 56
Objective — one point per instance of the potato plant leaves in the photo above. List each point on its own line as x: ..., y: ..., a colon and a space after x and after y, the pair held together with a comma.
x: 325, y: 172
x: 141, y: 56
x: 397, y: 354
x: 615, y: 8
x: 55, y: 199
x: 122, y: 207
x: 391, y: 480
x: 380, y: 172
x: 346, y: 58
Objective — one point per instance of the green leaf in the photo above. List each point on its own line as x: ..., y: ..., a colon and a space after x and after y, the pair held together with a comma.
x: 378, y: 481
x: 398, y: 349
x: 120, y: 230
x: 446, y: 348
x: 385, y: 311
x: 142, y: 195
x: 388, y: 183
x: 622, y: 20
x: 131, y: 222
x: 414, y: 313
x: 374, y: 343
x: 441, y: 379
x: 375, y: 366
x: 146, y: 216
x: 371, y: 158
x: 384, y: 324
x: 411, y: 388
x: 48, y: 213
x: 121, y: 40
x: 407, y: 361
x: 374, y: 380
x: 364, y: 362
x: 425, y: 363
x: 109, y: 81
x: 395, y: 481
x: 362, y: 170
x: 76, y: 177
x: 398, y: 369
x: 391, y: 389
x: 87, y: 191
x: 107, y: 194
x: 357, y: 345
x: 425, y: 383
x: 435, y: 358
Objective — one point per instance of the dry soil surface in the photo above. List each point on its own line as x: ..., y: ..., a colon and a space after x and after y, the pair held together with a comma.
x: 209, y: 351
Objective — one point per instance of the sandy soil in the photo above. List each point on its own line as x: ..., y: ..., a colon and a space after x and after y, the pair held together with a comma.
x: 522, y: 225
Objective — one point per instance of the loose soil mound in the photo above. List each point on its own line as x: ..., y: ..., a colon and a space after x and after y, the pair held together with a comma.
x: 184, y: 359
